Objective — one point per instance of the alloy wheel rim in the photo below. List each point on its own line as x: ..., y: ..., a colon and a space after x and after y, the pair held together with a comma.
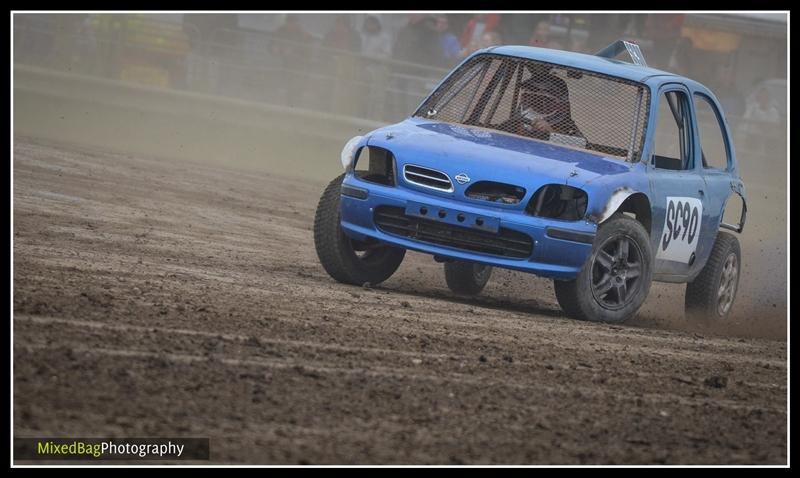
x: 727, y: 285
x: 616, y: 272
x: 480, y: 272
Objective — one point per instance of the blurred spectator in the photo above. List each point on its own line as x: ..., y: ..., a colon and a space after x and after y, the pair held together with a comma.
x: 730, y: 98
x: 415, y: 40
x: 516, y: 28
x: 488, y: 39
x: 762, y: 118
x: 475, y: 28
x: 664, y: 30
x: 292, y: 46
x: 680, y: 61
x: 458, y: 22
x: 343, y: 68
x: 375, y: 41
x: 448, y: 42
x: 763, y: 108
x: 407, y: 41
x: 484, y: 41
x: 291, y: 39
x: 416, y: 43
x: 342, y: 36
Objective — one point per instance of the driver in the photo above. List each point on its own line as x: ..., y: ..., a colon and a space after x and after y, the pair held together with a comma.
x: 544, y: 107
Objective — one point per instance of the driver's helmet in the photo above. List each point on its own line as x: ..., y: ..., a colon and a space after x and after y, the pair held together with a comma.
x: 543, y: 97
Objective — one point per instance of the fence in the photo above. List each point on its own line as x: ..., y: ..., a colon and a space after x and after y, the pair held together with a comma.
x: 247, y: 65
x: 260, y: 67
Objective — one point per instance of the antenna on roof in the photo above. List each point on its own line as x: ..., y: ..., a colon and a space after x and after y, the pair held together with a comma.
x: 619, y: 46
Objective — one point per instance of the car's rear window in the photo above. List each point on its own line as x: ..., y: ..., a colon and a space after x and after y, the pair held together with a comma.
x: 547, y: 102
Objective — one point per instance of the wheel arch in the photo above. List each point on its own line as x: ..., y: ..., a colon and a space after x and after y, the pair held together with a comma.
x: 626, y: 200
x: 738, y: 228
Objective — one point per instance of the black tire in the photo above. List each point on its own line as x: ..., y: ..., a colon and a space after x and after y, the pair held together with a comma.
x: 711, y: 294
x: 606, y: 289
x: 338, y: 253
x: 468, y: 278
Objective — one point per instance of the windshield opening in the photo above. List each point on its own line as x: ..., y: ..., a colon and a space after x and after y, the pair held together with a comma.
x: 546, y: 102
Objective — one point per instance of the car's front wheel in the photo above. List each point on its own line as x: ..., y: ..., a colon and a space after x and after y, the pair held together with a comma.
x: 468, y: 278
x: 710, y: 295
x: 615, y: 280
x: 344, y: 259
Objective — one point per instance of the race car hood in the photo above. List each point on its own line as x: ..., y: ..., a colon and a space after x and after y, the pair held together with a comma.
x: 485, y: 155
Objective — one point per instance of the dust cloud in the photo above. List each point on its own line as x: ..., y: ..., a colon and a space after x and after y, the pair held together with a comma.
x: 281, y: 94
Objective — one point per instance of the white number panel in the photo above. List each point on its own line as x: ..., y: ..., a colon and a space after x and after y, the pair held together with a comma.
x: 681, y: 229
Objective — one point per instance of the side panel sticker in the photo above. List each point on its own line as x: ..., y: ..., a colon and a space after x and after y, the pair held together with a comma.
x: 681, y: 229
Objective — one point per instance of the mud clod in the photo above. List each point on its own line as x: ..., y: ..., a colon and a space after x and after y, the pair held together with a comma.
x: 716, y: 381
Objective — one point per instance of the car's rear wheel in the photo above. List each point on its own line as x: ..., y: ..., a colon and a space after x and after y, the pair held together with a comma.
x: 344, y: 259
x: 711, y: 294
x: 615, y: 280
x: 468, y: 278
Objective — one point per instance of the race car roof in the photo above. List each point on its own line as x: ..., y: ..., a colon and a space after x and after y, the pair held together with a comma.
x: 582, y: 61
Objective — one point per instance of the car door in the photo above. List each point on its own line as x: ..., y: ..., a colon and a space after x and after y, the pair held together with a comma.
x: 678, y: 191
x: 715, y: 151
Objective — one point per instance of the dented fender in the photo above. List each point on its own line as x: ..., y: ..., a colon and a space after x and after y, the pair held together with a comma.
x: 598, y: 216
x: 606, y: 194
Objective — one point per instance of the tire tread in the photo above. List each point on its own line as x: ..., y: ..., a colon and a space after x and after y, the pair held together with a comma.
x: 328, y: 251
x: 459, y: 276
x: 701, y: 293
x: 334, y: 249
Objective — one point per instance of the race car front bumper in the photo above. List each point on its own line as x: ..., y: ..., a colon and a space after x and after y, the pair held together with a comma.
x: 461, y: 231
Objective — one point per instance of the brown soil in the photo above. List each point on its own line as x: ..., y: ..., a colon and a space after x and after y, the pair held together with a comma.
x: 156, y: 297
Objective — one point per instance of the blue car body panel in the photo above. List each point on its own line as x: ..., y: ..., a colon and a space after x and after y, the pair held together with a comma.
x: 483, y: 154
x: 551, y: 257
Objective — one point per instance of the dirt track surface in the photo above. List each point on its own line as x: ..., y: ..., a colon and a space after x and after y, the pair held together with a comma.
x: 161, y: 298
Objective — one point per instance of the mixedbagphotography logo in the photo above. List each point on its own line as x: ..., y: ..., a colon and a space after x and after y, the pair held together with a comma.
x: 111, y: 448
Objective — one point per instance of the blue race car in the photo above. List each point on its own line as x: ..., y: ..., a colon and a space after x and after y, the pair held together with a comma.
x: 601, y: 174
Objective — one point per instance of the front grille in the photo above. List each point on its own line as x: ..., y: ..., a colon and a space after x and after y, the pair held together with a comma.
x: 506, y: 243
x: 426, y: 177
